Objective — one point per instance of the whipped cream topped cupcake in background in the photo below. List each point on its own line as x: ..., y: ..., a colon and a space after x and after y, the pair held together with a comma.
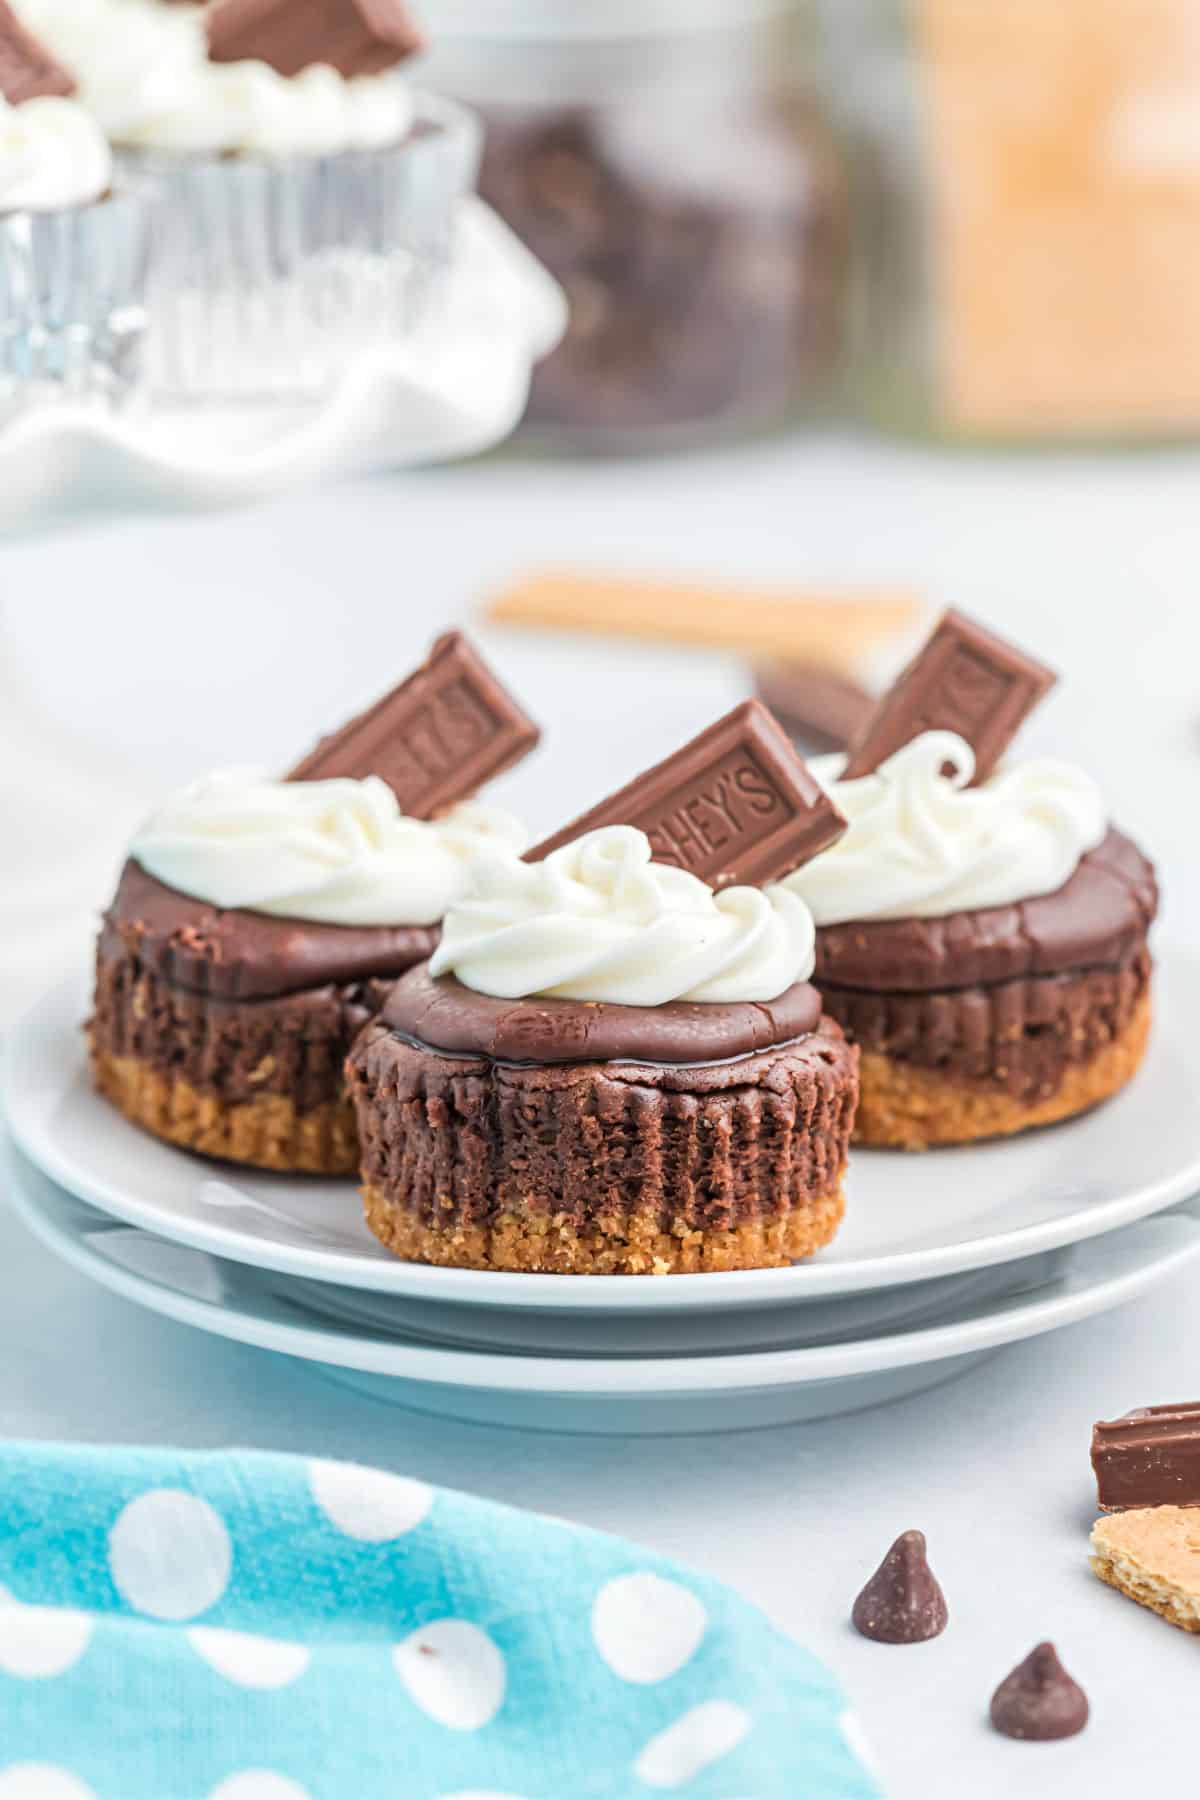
x: 609, y: 1067
x: 984, y: 941
x: 74, y: 246
x: 146, y: 74
x: 310, y: 196
x: 258, y: 924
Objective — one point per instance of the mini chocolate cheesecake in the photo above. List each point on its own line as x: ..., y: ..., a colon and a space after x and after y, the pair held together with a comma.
x: 589, y: 1138
x: 226, y: 1030
x: 614, y: 1063
x: 259, y: 923
x: 982, y: 929
x: 989, y: 1021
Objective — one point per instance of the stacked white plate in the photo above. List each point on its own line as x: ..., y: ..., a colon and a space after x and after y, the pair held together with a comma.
x: 943, y: 1259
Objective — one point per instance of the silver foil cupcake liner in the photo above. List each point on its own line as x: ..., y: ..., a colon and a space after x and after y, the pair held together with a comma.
x: 274, y: 275
x: 73, y: 289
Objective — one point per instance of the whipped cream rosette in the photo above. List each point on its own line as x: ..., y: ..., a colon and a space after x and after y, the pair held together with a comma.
x: 609, y: 1066
x: 335, y: 852
x: 923, y: 843
x: 599, y: 920
x: 308, y: 210
x: 983, y: 941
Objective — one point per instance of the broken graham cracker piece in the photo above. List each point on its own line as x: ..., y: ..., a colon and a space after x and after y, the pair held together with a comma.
x: 965, y: 680
x: 355, y: 37
x: 736, y: 804
x: 1152, y: 1555
x: 1150, y: 1457
x: 27, y: 69
x: 798, y: 626
x: 435, y: 739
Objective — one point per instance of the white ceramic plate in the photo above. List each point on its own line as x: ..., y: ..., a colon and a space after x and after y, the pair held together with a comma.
x: 619, y: 1392
x: 457, y: 386
x: 909, y: 1218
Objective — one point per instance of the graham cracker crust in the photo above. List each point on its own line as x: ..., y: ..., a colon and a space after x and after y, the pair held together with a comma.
x: 633, y: 1244
x: 266, y: 1133
x: 906, y: 1107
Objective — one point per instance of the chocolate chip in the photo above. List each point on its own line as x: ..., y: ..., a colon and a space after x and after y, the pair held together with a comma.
x: 1039, y: 1700
x: 902, y: 1603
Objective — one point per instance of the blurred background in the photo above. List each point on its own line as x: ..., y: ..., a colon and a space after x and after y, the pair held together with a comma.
x: 888, y: 295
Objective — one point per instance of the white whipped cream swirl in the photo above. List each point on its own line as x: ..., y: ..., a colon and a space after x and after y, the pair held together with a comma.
x: 52, y: 155
x: 143, y: 70
x: 334, y: 852
x: 598, y: 920
x: 922, y: 844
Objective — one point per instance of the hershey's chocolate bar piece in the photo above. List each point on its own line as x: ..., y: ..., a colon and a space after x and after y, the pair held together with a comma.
x: 1150, y: 1457
x: 820, y: 707
x: 436, y: 738
x: 735, y: 805
x: 966, y: 680
x: 355, y: 37
x: 27, y: 69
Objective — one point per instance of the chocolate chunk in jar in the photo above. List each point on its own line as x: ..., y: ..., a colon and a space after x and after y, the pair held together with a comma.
x: 694, y: 302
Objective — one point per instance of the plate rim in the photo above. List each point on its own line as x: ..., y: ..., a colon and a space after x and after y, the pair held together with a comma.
x: 516, y: 1290
x: 597, y: 1377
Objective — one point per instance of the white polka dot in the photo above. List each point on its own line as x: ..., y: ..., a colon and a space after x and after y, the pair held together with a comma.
x: 454, y: 1672
x: 857, y: 1743
x: 253, y: 1662
x: 169, y: 1554
x: 480, y: 1794
x: 41, y: 1781
x: 256, y: 1784
x: 367, y: 1504
x: 701, y: 1736
x: 646, y: 1628
x: 38, y: 1641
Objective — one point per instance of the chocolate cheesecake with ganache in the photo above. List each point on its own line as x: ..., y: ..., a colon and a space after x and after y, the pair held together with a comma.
x: 224, y: 1029
x: 982, y: 928
x: 258, y: 924
x: 609, y: 1066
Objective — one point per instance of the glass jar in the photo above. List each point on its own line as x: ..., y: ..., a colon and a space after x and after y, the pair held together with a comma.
x: 1026, y: 182
x: 663, y: 159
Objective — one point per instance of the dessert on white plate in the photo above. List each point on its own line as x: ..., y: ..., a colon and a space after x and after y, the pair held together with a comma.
x: 989, y: 1206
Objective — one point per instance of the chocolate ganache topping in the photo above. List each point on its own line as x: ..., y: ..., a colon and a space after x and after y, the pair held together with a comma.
x: 1097, y: 919
x: 443, y: 1014
x: 235, y: 954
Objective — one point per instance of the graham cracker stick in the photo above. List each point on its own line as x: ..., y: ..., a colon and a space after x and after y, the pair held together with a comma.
x: 798, y: 624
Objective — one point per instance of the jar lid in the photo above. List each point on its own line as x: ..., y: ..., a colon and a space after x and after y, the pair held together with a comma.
x: 583, y: 19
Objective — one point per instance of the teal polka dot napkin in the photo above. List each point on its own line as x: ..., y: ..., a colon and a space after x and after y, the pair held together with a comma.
x: 252, y: 1627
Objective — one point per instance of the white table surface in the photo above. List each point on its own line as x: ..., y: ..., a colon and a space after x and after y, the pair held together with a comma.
x: 137, y: 654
